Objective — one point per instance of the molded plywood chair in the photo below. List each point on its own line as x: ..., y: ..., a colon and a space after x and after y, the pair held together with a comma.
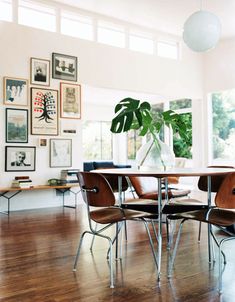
x: 100, y: 201
x: 220, y: 216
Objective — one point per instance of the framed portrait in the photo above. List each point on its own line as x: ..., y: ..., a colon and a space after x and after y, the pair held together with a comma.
x: 64, y: 67
x: 20, y: 158
x: 15, y: 91
x: 70, y: 100
x: 60, y: 153
x: 42, y: 142
x: 44, y: 111
x: 40, y: 72
x: 16, y: 125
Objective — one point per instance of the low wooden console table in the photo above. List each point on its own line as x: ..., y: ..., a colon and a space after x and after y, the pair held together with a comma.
x: 9, y: 192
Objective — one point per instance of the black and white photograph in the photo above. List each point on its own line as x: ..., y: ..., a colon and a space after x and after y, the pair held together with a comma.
x: 16, y: 125
x: 60, y: 153
x: 64, y: 67
x: 40, y: 71
x: 15, y: 91
x: 20, y: 158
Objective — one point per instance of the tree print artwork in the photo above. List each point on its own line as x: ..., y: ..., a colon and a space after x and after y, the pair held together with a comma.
x: 44, y: 111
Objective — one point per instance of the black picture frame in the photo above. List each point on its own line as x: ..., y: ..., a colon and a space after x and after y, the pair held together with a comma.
x: 64, y: 67
x: 40, y: 71
x: 16, y: 125
x: 20, y: 158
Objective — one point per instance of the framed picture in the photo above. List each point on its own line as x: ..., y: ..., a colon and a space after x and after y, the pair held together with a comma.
x: 44, y: 111
x: 60, y: 153
x: 64, y: 67
x: 15, y: 91
x: 16, y: 125
x: 20, y: 158
x: 70, y: 100
x: 42, y: 142
x: 40, y: 72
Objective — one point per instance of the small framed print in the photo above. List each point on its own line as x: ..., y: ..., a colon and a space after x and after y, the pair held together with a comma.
x: 20, y: 158
x: 44, y: 111
x: 64, y: 67
x: 42, y: 142
x: 15, y: 91
x: 40, y: 72
x: 16, y: 125
x: 70, y: 100
x: 60, y: 153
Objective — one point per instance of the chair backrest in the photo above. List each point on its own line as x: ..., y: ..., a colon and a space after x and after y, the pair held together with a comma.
x: 216, y: 180
x: 225, y: 198
x: 96, y: 190
x: 143, y: 185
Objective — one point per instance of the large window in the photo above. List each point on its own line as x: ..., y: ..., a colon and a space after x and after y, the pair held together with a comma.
x: 97, y: 140
x: 76, y: 25
x: 6, y: 10
x: 223, y: 126
x: 35, y: 14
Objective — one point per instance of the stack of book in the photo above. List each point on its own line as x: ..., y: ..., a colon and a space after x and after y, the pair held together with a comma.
x: 22, y: 182
x: 70, y: 175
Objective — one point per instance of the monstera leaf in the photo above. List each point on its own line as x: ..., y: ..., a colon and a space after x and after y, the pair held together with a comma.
x: 131, y: 114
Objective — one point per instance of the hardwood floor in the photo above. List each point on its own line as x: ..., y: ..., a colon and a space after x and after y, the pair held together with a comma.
x: 37, y: 253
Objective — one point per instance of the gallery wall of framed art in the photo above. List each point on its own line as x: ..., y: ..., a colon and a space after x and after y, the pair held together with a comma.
x: 34, y: 111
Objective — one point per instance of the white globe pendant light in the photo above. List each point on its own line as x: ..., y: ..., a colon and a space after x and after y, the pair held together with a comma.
x: 202, y: 31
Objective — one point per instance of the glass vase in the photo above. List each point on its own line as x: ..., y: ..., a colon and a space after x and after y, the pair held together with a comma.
x: 155, y: 154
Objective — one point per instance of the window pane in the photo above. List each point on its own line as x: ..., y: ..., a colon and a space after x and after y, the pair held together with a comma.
x: 181, y: 147
x: 134, y: 142
x: 167, y: 50
x: 223, y: 125
x: 97, y: 140
x: 76, y: 26
x: 37, y: 15
x: 180, y: 104
x: 111, y: 34
x: 141, y: 43
x: 5, y: 10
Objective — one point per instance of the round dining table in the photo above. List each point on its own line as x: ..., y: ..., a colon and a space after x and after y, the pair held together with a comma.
x: 164, y: 174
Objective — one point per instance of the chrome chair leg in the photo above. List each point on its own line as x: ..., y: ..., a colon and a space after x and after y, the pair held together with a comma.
x: 199, y: 232
x: 79, y: 249
x: 115, y: 238
x: 220, y: 261
x: 154, y: 229
x: 217, y: 243
x: 170, y: 266
x: 93, y: 238
x: 151, y: 243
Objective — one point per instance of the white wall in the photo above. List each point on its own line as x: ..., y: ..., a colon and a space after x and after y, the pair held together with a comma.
x: 98, y: 65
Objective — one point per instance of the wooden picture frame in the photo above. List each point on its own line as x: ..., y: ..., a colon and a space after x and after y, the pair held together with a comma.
x: 60, y: 153
x: 44, y: 111
x: 16, y: 125
x: 40, y: 72
x: 20, y: 158
x: 15, y: 91
x: 64, y: 67
x: 70, y: 100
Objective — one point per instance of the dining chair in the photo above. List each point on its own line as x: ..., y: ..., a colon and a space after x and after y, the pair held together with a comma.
x: 100, y: 203
x: 219, y: 215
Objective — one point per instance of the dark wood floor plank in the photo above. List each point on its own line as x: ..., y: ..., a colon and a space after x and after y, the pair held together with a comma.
x: 37, y: 253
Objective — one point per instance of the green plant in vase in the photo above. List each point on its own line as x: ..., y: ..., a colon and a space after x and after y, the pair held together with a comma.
x: 134, y: 114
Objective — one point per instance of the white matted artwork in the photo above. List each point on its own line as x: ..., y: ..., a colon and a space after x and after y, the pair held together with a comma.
x: 60, y: 153
x: 70, y: 101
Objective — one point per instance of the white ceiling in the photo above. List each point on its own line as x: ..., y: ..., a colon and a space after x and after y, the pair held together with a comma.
x: 162, y: 15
